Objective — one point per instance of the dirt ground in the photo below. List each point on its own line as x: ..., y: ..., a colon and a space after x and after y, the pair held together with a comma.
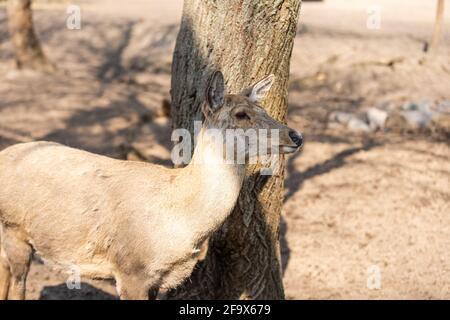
x: 358, y: 207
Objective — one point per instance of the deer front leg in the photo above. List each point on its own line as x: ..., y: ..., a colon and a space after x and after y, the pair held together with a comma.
x: 133, y: 288
x: 5, y: 276
x: 18, y: 254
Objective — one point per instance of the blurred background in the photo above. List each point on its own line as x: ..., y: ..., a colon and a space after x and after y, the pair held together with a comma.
x: 367, y: 197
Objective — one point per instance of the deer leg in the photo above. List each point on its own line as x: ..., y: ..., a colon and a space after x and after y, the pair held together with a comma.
x: 132, y: 288
x: 5, y: 276
x: 18, y: 254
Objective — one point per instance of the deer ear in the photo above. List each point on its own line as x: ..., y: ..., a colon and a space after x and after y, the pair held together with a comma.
x: 215, y: 93
x: 258, y: 91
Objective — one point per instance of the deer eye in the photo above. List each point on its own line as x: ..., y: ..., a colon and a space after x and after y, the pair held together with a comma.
x: 242, y: 115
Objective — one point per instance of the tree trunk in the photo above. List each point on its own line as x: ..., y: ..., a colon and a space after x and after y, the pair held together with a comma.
x: 438, y: 25
x: 247, y: 40
x: 28, y: 52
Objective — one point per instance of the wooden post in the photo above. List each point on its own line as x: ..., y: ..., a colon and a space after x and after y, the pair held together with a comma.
x: 438, y: 25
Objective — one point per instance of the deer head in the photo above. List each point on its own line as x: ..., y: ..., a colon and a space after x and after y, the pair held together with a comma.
x: 242, y: 123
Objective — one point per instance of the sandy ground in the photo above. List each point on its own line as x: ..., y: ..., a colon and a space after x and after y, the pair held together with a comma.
x: 359, y: 207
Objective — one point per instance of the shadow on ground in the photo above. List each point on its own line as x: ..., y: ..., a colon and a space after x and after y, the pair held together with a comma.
x: 296, y: 178
x: 86, y: 292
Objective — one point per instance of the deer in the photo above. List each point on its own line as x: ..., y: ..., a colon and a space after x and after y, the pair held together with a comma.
x: 139, y: 224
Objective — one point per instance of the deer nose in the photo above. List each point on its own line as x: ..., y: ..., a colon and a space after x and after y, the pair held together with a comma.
x: 296, y: 138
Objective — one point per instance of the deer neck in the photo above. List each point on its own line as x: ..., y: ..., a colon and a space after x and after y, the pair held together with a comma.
x: 215, y: 183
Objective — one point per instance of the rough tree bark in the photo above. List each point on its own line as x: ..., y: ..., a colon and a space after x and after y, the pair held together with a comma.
x: 247, y: 40
x: 28, y: 52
